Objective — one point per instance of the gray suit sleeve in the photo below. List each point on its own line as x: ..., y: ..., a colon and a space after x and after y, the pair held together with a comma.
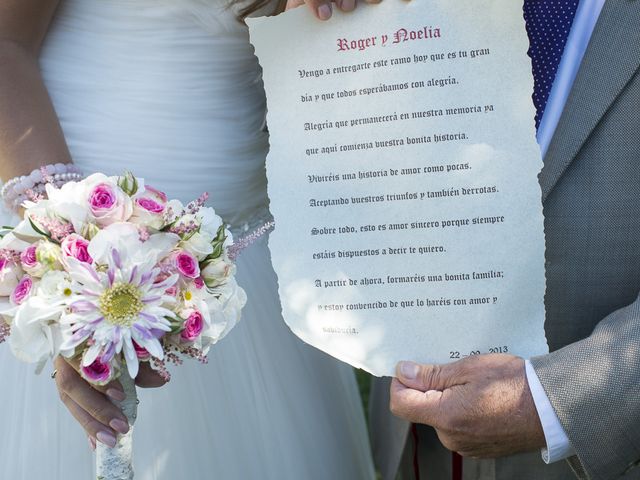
x: 594, y: 387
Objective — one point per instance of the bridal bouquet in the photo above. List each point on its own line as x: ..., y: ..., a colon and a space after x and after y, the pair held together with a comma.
x: 109, y: 271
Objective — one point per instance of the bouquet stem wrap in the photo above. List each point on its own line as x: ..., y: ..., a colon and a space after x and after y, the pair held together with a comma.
x: 117, y: 463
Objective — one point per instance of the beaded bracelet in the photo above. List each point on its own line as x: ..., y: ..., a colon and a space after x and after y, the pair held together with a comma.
x: 32, y: 186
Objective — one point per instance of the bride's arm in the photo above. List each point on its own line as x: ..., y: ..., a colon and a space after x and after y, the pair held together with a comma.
x: 30, y: 136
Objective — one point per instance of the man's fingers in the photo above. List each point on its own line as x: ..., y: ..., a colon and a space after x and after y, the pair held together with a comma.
x: 71, y: 385
x: 148, y: 377
x: 428, y: 377
x: 414, y: 405
x: 93, y: 428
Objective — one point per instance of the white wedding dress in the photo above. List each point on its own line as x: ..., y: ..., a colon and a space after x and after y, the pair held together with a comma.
x: 171, y: 90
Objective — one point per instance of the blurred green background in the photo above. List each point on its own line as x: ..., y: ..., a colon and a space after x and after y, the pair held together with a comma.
x: 364, y: 382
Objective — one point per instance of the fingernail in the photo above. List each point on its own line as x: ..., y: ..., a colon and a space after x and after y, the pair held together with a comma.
x: 324, y: 11
x: 348, y: 5
x: 92, y: 443
x: 119, y: 426
x: 116, y: 394
x: 409, y: 370
x: 106, y: 438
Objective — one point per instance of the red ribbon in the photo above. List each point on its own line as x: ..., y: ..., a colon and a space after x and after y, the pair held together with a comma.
x: 456, y: 460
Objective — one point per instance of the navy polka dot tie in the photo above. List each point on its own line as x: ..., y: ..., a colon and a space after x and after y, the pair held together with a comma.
x: 548, y: 25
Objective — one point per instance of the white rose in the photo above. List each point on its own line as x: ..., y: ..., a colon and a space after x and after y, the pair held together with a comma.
x: 199, y: 245
x: 10, y: 275
x: 49, y: 254
x: 217, y: 271
x: 225, y: 309
x: 210, y: 222
x: 35, y: 333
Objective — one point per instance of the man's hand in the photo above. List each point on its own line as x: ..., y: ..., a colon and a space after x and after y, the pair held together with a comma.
x: 480, y: 407
x: 323, y: 9
x: 91, y: 405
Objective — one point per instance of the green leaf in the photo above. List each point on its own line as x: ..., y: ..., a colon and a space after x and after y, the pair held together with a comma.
x: 221, y: 234
x: 217, y: 251
x: 38, y: 230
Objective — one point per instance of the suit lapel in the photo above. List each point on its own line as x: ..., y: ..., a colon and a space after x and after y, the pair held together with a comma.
x: 611, y: 59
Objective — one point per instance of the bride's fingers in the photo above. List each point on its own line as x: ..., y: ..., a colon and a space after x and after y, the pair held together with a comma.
x: 293, y: 4
x: 93, y: 428
x: 148, y: 377
x: 323, y: 9
x: 113, y: 389
x: 73, y: 387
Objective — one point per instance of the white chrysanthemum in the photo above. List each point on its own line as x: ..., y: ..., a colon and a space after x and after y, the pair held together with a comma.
x: 120, y: 303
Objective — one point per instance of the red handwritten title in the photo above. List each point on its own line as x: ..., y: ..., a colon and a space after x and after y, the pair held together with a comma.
x: 399, y: 36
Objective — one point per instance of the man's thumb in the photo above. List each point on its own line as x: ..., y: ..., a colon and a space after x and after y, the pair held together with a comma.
x: 427, y: 377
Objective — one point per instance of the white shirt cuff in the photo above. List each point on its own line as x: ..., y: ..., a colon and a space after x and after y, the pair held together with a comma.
x: 558, y: 446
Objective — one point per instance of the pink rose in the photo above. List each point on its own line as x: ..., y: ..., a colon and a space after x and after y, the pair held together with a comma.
x: 152, y: 200
x: 199, y: 283
x: 149, y: 205
x: 141, y: 352
x: 103, y: 197
x: 76, y: 246
x: 109, y: 204
x: 28, y: 257
x: 40, y: 257
x: 98, y: 373
x: 160, y: 196
x: 186, y: 264
x: 22, y: 290
x: 192, y: 326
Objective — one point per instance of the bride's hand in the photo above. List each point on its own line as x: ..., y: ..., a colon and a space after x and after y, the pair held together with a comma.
x: 91, y: 405
x: 322, y: 9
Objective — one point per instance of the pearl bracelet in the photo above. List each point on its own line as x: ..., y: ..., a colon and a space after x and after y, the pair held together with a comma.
x: 24, y: 187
